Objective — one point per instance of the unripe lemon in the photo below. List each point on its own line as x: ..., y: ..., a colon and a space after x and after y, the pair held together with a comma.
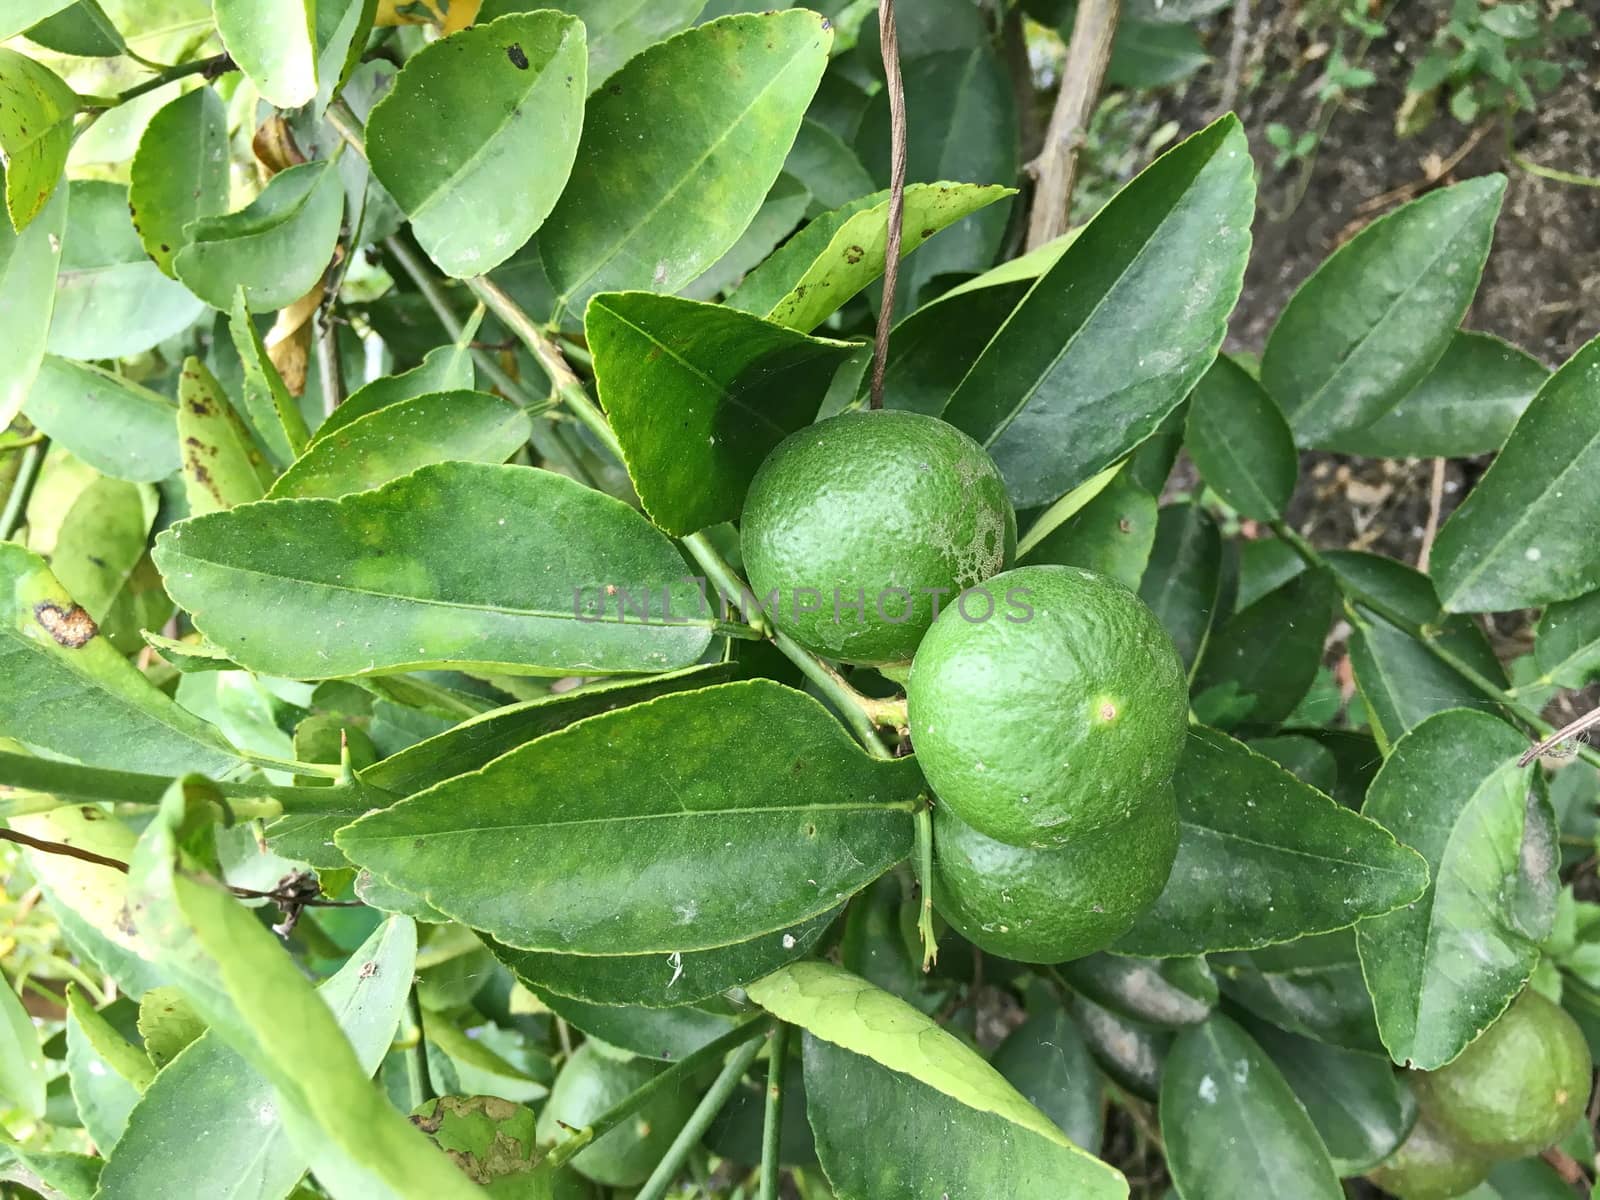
x: 1054, y: 717
x: 1051, y: 906
x: 1518, y: 1088
x: 868, y: 520
x: 1431, y: 1165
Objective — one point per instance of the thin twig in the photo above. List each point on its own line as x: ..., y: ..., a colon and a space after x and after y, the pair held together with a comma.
x: 1570, y: 730
x: 655, y: 1188
x: 1236, y: 48
x: 897, y: 194
x: 772, y: 1120
x: 1435, y: 502
x: 1087, y: 55
x: 211, y: 68
x: 27, y: 475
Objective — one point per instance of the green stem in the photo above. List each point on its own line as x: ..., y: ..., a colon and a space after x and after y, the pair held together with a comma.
x: 27, y: 475
x: 71, y: 781
x: 772, y: 1122
x: 832, y: 685
x: 674, y: 1076
x: 925, y: 929
x: 271, y: 762
x: 699, y: 1121
x: 1533, y: 168
x: 419, y: 1087
x: 217, y: 64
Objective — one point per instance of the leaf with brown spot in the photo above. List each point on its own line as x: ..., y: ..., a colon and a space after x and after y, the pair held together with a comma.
x: 222, y: 465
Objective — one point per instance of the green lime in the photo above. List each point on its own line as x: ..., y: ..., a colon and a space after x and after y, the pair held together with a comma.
x: 860, y: 527
x: 1431, y: 1165
x: 1055, y: 716
x: 1518, y: 1088
x: 593, y: 1080
x: 1051, y: 906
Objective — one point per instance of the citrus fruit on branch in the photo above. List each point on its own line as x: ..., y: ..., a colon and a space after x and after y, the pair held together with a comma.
x: 1431, y: 1164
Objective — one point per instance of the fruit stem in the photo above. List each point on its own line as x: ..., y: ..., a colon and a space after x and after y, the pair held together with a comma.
x: 699, y: 1121
x: 1355, y: 596
x: 849, y: 702
x: 772, y: 1122
x: 924, y: 827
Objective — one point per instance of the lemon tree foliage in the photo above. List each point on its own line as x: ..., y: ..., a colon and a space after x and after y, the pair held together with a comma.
x: 487, y: 707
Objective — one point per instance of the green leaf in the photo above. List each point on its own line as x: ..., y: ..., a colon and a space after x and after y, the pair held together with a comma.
x: 1442, y: 969
x: 101, y: 542
x: 664, y: 1033
x: 1167, y: 992
x: 22, y: 1066
x: 443, y: 369
x: 1055, y: 396
x: 612, y: 862
x: 65, y: 1175
x: 1240, y: 442
x: 658, y: 981
x: 660, y: 189
x: 454, y: 139
x: 274, y: 43
x: 482, y: 567
x: 1369, y: 325
x: 1266, y: 655
x: 222, y: 466
x: 1523, y: 536
x: 68, y: 691
x: 116, y: 426
x: 22, y: 15
x: 255, y: 998
x: 1361, y: 1108
x: 179, y: 173
x: 106, y: 1073
x: 111, y: 300
x: 617, y: 29
x: 1263, y: 858
x: 1466, y: 405
x: 699, y: 395
x: 1312, y: 987
x: 775, y: 220
x: 1183, y: 582
x: 1307, y: 759
x: 36, y: 111
x: 83, y: 29
x: 384, y: 445
x: 273, y: 412
x: 28, y: 265
x: 1046, y: 1060
x: 1232, y: 1126
x: 276, y: 248
x: 868, y: 1052
x: 1567, y: 644
x: 827, y: 166
x: 1113, y: 533
x: 168, y: 1024
x: 245, y: 1152
x: 1147, y: 54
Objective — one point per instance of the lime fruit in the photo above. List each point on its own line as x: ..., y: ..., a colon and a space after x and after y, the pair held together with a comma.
x: 1055, y: 717
x: 861, y: 526
x: 1518, y: 1088
x: 1051, y: 906
x: 1431, y: 1165
x: 595, y: 1079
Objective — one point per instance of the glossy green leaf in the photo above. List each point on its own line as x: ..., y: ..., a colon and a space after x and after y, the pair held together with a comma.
x: 222, y: 465
x: 454, y: 141
x: 1523, y: 536
x: 83, y: 29
x: 36, y: 111
x: 775, y: 220
x: 107, y: 1074
x: 1056, y: 396
x: 1131, y: 1053
x: 1262, y: 858
x: 28, y: 265
x: 382, y: 446
x: 802, y: 284
x: 67, y: 690
x: 1232, y: 1126
x: 1441, y: 970
x: 1046, y: 1060
x: 21, y: 15
x: 1373, y: 320
x: 443, y: 369
x: 1305, y: 758
x: 664, y: 1033
x: 827, y: 166
x: 116, y: 426
x: 1361, y: 1108
x: 1567, y: 645
x: 660, y: 189
x: 1261, y: 661
x: 273, y: 413
x: 179, y: 173
x: 1466, y: 405
x: 22, y: 1065
x: 617, y: 29
x: 612, y: 862
x: 493, y: 575
x: 1166, y: 992
x: 933, y: 348
x: 1182, y: 584
x: 210, y: 1124
x: 274, y: 43
x: 870, y: 1055
x: 1311, y: 987
x: 1112, y: 534
x: 111, y: 300
x: 699, y: 395
x: 1240, y: 442
x: 256, y: 1000
x: 276, y: 248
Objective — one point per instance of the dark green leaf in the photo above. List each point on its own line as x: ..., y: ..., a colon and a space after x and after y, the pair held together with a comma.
x: 665, y: 1033
x: 1305, y: 758
x: 454, y: 140
x: 1312, y: 987
x: 1061, y: 362
x: 1263, y: 858
x: 22, y: 15
x: 36, y: 111
x: 1112, y: 534
x: 117, y: 427
x: 932, y: 349
x: 1240, y: 442
x: 1524, y: 536
x: 1182, y: 584
x: 1369, y: 325
x: 659, y: 189
x: 83, y: 29
x: 699, y: 395
x: 827, y: 166
x: 1045, y: 1059
x: 1266, y: 656
x: 612, y: 862
x: 1232, y: 1126
x: 179, y: 173
x: 1130, y: 1052
x: 1167, y: 992
x: 1150, y: 55
x: 1567, y: 645
x: 1441, y: 970
x: 28, y: 265
x: 274, y: 43
x: 480, y: 566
